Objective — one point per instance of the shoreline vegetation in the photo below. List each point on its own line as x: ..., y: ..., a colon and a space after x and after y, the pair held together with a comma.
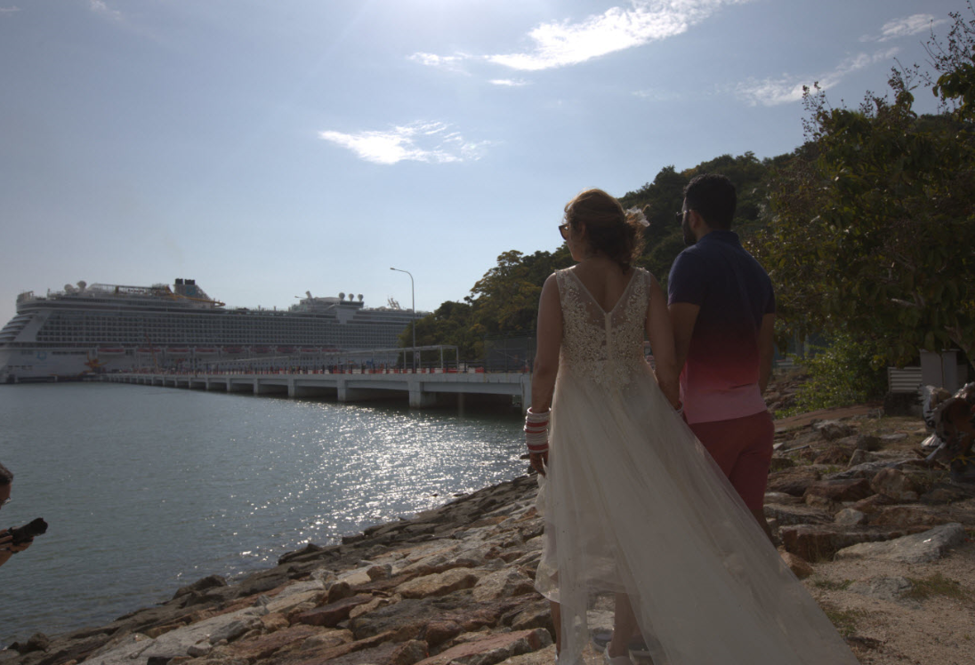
x: 881, y: 539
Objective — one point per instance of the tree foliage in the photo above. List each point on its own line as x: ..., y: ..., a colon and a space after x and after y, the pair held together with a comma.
x: 872, y: 224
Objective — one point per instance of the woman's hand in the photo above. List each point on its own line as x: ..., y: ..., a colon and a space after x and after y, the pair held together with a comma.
x: 539, y: 461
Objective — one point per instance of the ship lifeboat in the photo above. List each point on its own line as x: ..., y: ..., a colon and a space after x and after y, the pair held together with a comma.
x: 111, y: 351
x: 205, y: 350
x: 178, y: 350
x: 233, y: 350
x: 310, y: 349
x: 149, y: 349
x: 286, y: 349
x: 261, y: 349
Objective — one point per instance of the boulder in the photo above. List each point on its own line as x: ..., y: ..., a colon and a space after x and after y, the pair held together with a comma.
x: 504, y: 583
x: 820, y: 542
x: 799, y: 566
x: 895, y: 484
x: 493, y: 649
x: 408, y: 653
x: 908, y: 515
x: 332, y: 614
x: 796, y: 514
x: 869, y: 442
x: 922, y: 547
x: 831, y: 430
x: 792, y: 481
x: 439, y: 584
x: 852, y: 489
x: 850, y: 517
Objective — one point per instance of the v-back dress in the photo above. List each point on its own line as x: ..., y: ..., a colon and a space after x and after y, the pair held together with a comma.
x: 633, y: 503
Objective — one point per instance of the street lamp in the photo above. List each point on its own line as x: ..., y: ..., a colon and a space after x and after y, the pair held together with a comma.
x: 413, y: 297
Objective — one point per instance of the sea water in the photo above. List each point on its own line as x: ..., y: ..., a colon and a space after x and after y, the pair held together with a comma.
x: 146, y: 489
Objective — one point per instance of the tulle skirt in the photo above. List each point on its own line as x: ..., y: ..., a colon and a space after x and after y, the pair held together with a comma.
x: 633, y: 503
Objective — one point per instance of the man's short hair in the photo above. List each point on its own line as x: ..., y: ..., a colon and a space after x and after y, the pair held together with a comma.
x: 6, y: 476
x: 714, y: 198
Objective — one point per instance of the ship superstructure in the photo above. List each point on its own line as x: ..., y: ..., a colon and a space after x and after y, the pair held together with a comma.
x: 94, y: 328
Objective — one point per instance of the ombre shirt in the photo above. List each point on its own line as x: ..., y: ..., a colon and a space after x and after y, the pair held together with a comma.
x: 720, y: 377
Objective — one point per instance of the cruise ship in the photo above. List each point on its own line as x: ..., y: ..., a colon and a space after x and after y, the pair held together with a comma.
x: 86, y: 329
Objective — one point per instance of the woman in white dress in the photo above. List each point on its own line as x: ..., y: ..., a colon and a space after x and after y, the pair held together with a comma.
x: 633, y: 504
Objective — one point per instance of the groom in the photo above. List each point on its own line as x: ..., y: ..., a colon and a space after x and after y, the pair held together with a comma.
x: 722, y: 309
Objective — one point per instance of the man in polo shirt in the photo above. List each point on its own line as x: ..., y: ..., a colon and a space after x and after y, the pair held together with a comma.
x: 723, y: 311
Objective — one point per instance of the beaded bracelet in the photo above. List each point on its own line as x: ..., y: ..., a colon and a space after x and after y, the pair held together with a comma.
x: 536, y: 431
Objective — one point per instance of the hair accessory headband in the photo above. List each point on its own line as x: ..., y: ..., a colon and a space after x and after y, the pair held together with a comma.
x: 638, y: 217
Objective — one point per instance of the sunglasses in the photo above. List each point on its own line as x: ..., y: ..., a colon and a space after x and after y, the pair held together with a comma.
x: 564, y: 230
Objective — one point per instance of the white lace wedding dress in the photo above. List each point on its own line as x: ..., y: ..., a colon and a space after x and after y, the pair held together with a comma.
x: 633, y: 503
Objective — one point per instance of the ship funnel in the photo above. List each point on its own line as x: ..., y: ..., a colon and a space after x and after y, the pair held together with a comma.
x: 82, y: 284
x: 360, y: 297
x: 341, y: 295
x: 308, y: 293
x: 68, y: 288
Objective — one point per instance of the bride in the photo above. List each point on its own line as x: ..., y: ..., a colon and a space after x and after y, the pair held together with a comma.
x: 633, y: 503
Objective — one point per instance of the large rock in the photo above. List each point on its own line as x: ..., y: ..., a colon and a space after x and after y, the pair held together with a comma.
x: 895, y: 484
x: 439, y: 584
x: 493, y: 649
x: 504, y: 583
x: 821, y: 542
x: 908, y: 515
x: 922, y: 547
x: 852, y: 489
x: 792, y: 481
x: 332, y: 614
x: 796, y: 514
x: 831, y: 430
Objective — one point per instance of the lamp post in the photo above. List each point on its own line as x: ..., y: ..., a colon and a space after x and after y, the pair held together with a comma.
x: 413, y: 298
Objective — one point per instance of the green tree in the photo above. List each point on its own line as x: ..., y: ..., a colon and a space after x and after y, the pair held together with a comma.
x: 871, y: 226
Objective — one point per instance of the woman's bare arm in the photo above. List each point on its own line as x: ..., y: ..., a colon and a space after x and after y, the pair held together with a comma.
x: 661, y: 336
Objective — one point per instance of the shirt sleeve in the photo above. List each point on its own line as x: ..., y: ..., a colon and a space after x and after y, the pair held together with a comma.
x: 687, y: 282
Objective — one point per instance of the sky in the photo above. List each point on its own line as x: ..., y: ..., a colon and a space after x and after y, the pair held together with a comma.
x: 267, y: 148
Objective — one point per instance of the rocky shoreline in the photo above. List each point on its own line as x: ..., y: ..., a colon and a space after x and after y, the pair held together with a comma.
x: 881, y: 538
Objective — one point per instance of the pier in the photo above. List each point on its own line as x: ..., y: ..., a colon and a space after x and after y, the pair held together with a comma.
x: 423, y: 388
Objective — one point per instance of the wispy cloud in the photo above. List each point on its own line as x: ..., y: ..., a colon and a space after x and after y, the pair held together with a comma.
x: 6, y: 11
x: 564, y: 43
x: 419, y: 142
x: 905, y: 27
x: 509, y: 83
x: 658, y: 95
x: 450, y: 63
x: 788, y: 88
x: 101, y: 7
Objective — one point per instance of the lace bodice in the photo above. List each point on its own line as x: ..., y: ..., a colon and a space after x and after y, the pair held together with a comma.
x: 606, y: 347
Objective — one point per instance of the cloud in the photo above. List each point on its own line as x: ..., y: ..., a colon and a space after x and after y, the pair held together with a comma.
x: 904, y: 27
x: 787, y: 88
x: 450, y: 63
x: 510, y: 83
x: 7, y: 11
x: 100, y: 7
x: 564, y: 43
x: 658, y: 95
x: 419, y: 142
